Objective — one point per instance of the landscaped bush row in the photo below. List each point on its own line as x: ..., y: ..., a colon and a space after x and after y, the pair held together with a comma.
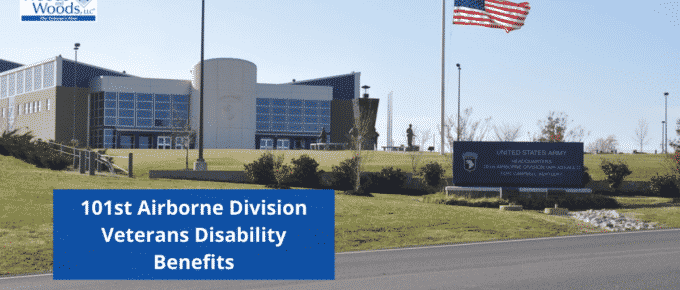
x: 36, y: 152
x: 270, y: 171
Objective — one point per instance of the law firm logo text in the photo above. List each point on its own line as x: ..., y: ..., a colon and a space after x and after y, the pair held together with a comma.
x: 58, y: 10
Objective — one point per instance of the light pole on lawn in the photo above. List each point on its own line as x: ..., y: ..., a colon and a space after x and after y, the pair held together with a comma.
x: 75, y: 93
x: 200, y: 164
x: 665, y: 128
x: 458, y: 127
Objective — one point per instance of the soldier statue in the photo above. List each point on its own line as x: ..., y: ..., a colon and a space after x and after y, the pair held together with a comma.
x: 409, y: 135
x: 323, y: 135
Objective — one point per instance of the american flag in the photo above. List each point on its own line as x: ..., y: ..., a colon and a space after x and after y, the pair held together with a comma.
x: 491, y: 13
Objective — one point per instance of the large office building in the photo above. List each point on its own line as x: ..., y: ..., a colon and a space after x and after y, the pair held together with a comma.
x: 59, y: 99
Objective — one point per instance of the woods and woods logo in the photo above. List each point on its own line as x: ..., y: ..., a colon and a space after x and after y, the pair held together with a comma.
x: 470, y: 159
x: 58, y: 10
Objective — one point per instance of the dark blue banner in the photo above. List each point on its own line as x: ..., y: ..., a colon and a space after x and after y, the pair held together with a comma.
x: 518, y: 164
x: 58, y: 18
x: 194, y: 234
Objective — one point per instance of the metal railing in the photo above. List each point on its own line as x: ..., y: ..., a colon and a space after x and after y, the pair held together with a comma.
x: 85, y: 159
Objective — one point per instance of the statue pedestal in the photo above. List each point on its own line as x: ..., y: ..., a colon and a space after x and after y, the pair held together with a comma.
x: 413, y: 148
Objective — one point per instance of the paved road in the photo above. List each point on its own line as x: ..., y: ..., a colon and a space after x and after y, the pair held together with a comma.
x: 632, y: 260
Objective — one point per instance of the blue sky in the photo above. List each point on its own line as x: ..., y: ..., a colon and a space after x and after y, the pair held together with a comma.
x: 605, y: 66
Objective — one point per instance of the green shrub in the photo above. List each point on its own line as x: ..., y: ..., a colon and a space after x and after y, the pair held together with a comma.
x: 390, y: 179
x: 665, y: 186
x: 344, y: 175
x: 615, y: 172
x: 433, y: 173
x: 261, y: 171
x: 587, y: 178
x: 283, y: 175
x: 305, y: 172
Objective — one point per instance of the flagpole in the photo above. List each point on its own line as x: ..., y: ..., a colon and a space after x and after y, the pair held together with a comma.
x: 443, y: 27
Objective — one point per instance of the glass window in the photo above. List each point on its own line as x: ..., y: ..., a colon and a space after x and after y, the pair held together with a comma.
x: 126, y: 105
x: 296, y: 111
x: 179, y: 123
x: 20, y: 82
x: 295, y: 119
x: 3, y: 86
x: 48, y: 104
x: 30, y: 108
x: 180, y: 107
x: 49, y: 75
x: 310, y: 119
x: 108, y: 138
x: 262, y: 110
x: 37, y: 78
x: 29, y: 78
x: 296, y: 127
x: 180, y: 98
x: 325, y: 112
x: 111, y: 121
x: 144, y: 106
x: 144, y: 122
x: 279, y: 102
x: 263, y: 126
x: 278, y: 111
x: 39, y: 106
x: 126, y: 113
x: 126, y: 122
x: 144, y: 98
x: 325, y: 120
x: 296, y: 103
x: 325, y: 104
x: 180, y: 115
x: 110, y: 96
x: 278, y: 119
x: 163, y: 98
x: 310, y: 128
x: 126, y: 97
x: 278, y: 127
x: 163, y: 106
x: 26, y: 108
x: 110, y: 104
x: 10, y: 85
x: 144, y: 114
x: 110, y: 112
x: 3, y: 112
x: 262, y: 118
x: 311, y: 112
x: 161, y: 122
x: 262, y: 102
x: 310, y: 104
x: 162, y: 115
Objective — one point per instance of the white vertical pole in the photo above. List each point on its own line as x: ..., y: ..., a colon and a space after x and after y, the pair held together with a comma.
x: 442, y: 109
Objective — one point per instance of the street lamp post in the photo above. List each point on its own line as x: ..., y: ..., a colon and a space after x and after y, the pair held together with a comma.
x: 200, y: 164
x: 75, y: 93
x: 665, y: 128
x: 663, y: 136
x: 458, y: 127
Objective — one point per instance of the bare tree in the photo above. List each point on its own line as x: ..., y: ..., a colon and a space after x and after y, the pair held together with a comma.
x: 182, y: 135
x: 361, y: 131
x: 424, y: 136
x: 467, y: 131
x: 507, y: 133
x: 641, y: 133
x: 557, y: 126
x: 603, y: 145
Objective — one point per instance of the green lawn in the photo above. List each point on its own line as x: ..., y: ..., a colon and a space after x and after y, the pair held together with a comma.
x: 362, y: 223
